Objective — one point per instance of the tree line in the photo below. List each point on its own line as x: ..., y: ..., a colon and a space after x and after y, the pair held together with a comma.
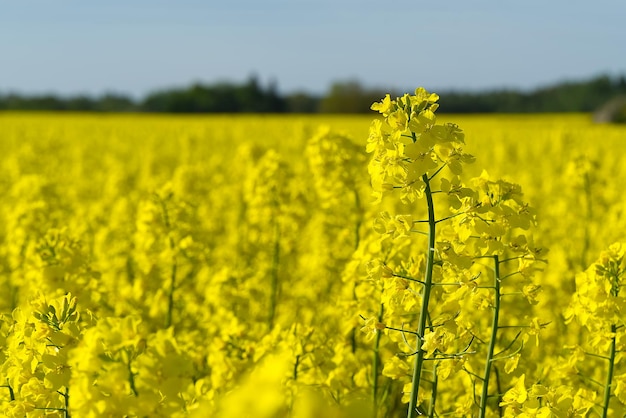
x: 342, y: 97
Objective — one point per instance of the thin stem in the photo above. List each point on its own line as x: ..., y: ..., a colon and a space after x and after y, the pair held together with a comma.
x: 403, y: 331
x: 596, y: 355
x: 511, y: 355
x: 274, y: 277
x: 478, y: 338
x: 66, y: 399
x: 402, y: 276
x: 437, y: 172
x: 510, y: 344
x: 357, y: 240
x: 509, y: 275
x: 428, y: 280
x: 431, y: 407
x: 492, y: 341
x: 425, y: 221
x: 609, y: 376
x: 295, y: 368
x: 499, y: 387
x: 472, y: 374
x: 131, y: 375
x: 506, y: 260
x: 11, y: 392
x: 172, y: 245
x: 450, y: 217
x: 376, y: 364
x: 170, y: 295
x: 589, y: 379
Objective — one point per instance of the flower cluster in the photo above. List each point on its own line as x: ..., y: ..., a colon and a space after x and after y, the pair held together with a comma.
x: 446, y: 265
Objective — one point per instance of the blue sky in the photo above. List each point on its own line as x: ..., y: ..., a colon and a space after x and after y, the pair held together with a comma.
x: 136, y: 46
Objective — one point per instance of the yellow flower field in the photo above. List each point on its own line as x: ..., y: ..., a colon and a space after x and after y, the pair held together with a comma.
x: 396, y: 264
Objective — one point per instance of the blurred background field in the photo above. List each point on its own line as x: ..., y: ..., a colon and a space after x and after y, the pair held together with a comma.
x: 534, y: 150
x: 112, y: 189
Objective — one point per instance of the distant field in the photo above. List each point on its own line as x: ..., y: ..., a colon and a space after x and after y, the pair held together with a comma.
x: 218, y: 265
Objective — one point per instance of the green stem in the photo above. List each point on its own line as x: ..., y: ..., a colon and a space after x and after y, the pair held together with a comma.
x: 295, y: 368
x: 66, y: 399
x: 499, y: 387
x: 353, y: 332
x: 130, y: 271
x: 357, y: 241
x: 376, y: 364
x: 170, y: 293
x: 492, y: 340
x: 11, y: 392
x: 172, y: 245
x: 131, y: 376
x: 274, y: 277
x: 431, y: 408
x: 609, y: 375
x: 428, y: 284
x: 615, y: 288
